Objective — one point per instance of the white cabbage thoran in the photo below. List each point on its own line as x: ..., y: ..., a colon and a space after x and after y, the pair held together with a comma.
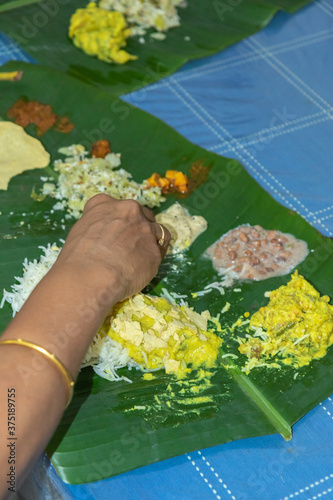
x: 142, y: 15
x: 80, y: 178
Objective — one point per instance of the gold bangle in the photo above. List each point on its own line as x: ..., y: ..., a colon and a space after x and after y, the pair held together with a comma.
x: 68, y: 377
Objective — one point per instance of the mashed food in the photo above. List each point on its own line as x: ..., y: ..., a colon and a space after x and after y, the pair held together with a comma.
x: 184, y: 228
x: 158, y: 334
x: 100, y: 33
x: 294, y: 328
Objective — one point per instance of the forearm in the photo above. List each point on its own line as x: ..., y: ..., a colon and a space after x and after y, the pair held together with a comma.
x: 67, y: 328
x: 40, y: 388
x: 32, y: 401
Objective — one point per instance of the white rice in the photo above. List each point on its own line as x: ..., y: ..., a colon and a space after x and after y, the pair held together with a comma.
x: 33, y: 272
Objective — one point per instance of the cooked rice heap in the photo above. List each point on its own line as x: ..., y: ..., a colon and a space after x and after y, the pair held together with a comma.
x: 142, y: 15
x: 295, y: 328
x: 81, y: 178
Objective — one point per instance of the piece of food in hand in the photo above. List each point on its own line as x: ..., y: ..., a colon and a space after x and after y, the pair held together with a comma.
x: 100, y: 33
x: 174, y: 181
x: 252, y: 252
x: 183, y: 227
x: 19, y: 152
x: 295, y: 327
x: 156, y: 334
x: 100, y: 149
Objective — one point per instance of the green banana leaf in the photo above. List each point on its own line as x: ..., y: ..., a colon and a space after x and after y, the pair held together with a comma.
x: 41, y: 29
x: 102, y: 433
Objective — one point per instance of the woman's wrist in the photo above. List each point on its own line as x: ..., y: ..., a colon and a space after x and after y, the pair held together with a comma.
x: 65, y: 311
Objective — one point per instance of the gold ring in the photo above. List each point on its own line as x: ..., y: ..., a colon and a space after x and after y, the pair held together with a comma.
x: 161, y: 241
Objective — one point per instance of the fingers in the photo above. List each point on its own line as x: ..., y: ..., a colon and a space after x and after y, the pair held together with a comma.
x: 162, y: 237
x: 97, y: 199
x: 132, y: 209
x: 102, y: 198
x: 148, y: 214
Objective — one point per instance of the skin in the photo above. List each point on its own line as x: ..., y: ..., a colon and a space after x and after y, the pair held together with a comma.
x: 110, y: 254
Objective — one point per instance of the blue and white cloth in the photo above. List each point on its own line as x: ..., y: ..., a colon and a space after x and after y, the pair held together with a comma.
x: 268, y: 102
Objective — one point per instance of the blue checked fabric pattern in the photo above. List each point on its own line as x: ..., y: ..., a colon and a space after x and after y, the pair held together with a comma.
x: 266, y: 101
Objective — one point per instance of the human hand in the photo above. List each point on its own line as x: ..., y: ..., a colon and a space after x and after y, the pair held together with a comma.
x: 114, y: 244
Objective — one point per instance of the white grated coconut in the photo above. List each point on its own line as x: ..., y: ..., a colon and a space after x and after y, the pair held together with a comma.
x: 142, y: 15
x: 80, y: 178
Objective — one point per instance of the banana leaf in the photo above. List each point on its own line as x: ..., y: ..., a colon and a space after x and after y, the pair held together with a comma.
x: 41, y: 29
x: 102, y: 433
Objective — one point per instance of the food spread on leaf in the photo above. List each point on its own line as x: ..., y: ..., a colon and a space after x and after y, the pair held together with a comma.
x: 198, y: 395
x: 295, y: 327
x: 80, y: 178
x: 184, y: 228
x: 19, y: 152
x: 158, y: 334
x: 174, y: 181
x: 251, y: 252
x: 143, y: 332
x: 100, y: 33
x: 25, y: 112
x: 100, y: 149
x: 143, y: 15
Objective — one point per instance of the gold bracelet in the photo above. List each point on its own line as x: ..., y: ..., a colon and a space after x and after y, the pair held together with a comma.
x: 68, y: 377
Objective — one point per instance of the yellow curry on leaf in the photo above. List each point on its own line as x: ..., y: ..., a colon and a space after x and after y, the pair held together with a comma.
x: 295, y: 327
x: 158, y: 334
x: 100, y: 33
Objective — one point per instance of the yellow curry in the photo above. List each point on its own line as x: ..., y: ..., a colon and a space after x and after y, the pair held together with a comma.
x: 295, y: 327
x: 100, y: 33
x: 158, y: 334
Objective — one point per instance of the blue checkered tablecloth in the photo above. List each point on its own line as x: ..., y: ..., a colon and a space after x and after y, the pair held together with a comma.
x: 266, y: 101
